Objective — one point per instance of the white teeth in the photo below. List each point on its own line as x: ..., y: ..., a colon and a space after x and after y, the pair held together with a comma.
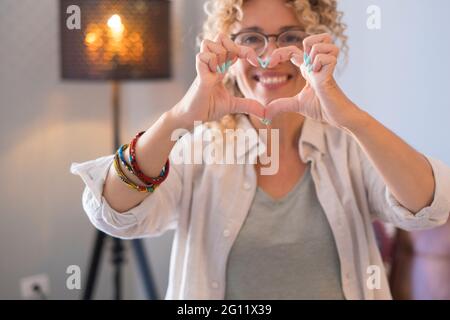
x: 271, y: 80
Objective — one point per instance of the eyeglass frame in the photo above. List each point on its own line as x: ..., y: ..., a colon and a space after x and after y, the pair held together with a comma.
x: 268, y: 36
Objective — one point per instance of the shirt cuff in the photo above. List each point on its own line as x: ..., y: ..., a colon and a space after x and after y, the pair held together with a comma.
x: 93, y: 173
x: 437, y: 212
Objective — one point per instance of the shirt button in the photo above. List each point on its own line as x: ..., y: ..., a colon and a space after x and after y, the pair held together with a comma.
x: 226, y: 233
x: 247, y: 185
x: 215, y: 284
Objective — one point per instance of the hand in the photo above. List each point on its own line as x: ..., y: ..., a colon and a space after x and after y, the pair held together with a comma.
x: 207, y: 99
x: 320, y: 99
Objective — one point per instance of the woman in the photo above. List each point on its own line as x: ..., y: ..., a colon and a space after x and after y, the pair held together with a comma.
x: 303, y: 231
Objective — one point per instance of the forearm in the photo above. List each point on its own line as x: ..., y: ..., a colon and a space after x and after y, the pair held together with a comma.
x: 405, y: 171
x: 152, y: 151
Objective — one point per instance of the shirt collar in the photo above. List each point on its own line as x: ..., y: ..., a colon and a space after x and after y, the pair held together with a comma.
x: 312, y: 135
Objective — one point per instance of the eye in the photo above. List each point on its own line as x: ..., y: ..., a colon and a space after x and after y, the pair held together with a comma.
x: 292, y: 37
x: 250, y: 39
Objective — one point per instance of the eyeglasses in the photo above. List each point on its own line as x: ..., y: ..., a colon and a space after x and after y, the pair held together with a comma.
x: 259, y: 41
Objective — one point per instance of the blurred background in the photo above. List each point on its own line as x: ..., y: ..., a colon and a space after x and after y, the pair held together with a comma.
x: 398, y: 73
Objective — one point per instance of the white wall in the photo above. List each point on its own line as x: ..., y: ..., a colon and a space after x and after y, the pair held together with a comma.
x: 400, y: 72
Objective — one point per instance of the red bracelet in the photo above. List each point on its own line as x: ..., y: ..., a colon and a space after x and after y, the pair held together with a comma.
x: 137, y: 171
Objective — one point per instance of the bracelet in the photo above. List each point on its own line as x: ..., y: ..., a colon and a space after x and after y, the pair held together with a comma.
x: 125, y: 164
x: 122, y: 158
x: 137, y: 171
x: 128, y: 182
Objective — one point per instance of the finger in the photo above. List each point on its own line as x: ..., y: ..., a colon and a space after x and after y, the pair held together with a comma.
x: 315, y: 38
x: 322, y: 61
x: 218, y: 49
x: 248, y: 54
x: 230, y: 46
x: 327, y: 48
x: 304, y: 72
x: 297, y: 60
x: 248, y: 106
x: 281, y: 105
x: 206, y: 61
x: 283, y: 54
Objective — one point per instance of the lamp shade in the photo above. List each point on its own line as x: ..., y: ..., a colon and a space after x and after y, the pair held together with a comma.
x: 117, y: 40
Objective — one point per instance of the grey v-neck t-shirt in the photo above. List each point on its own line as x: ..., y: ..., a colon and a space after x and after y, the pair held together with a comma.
x: 285, y: 249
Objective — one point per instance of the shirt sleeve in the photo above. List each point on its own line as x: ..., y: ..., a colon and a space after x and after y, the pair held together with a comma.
x: 384, y: 205
x: 157, y: 213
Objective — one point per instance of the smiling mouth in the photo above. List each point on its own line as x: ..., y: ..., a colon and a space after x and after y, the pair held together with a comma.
x: 272, y: 81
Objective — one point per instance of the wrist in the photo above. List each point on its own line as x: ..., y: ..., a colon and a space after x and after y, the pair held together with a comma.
x: 358, y: 121
x: 328, y: 87
x: 347, y: 116
x: 174, y: 120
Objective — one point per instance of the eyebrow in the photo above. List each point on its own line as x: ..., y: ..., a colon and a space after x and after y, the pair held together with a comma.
x: 258, y: 29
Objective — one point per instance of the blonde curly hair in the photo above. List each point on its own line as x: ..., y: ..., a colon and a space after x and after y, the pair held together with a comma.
x: 317, y: 16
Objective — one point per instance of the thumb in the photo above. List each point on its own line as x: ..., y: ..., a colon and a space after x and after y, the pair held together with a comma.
x: 248, y: 106
x: 281, y: 105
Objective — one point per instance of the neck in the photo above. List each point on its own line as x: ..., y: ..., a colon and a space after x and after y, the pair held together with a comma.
x: 289, y: 125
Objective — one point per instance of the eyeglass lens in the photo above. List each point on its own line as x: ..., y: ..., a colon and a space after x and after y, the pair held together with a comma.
x: 259, y: 42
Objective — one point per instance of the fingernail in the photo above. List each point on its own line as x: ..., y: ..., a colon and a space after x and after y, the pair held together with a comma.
x: 224, y: 67
x: 263, y: 63
x: 227, y: 65
x: 260, y: 61
x: 307, y: 59
x: 266, y: 121
x: 219, y: 69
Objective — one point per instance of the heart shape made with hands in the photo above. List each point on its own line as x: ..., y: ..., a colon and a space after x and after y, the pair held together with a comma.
x: 251, y: 106
x: 305, y: 102
x: 316, y: 64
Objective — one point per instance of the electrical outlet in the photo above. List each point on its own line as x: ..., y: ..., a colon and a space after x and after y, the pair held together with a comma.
x: 35, y: 287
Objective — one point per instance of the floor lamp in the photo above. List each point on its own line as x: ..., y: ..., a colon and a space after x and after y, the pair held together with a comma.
x: 118, y: 40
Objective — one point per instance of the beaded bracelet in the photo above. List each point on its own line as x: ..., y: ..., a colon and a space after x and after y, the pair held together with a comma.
x: 126, y: 165
x: 128, y: 182
x: 137, y: 171
x: 122, y: 158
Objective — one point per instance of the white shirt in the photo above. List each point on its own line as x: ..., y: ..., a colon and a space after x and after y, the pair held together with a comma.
x: 207, y: 205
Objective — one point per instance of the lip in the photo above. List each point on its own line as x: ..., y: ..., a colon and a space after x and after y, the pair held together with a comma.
x: 272, y: 86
